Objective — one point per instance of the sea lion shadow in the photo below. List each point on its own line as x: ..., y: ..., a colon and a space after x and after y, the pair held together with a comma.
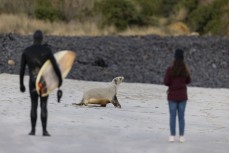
x: 95, y: 106
x: 88, y: 106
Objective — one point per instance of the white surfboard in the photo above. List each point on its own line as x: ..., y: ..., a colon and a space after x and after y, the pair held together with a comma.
x: 47, y: 79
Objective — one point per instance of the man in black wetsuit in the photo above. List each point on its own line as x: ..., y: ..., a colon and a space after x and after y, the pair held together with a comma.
x: 34, y: 57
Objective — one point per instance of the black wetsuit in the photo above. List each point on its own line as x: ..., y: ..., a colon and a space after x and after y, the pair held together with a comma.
x: 34, y: 57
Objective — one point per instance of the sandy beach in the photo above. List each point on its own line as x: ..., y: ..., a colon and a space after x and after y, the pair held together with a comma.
x: 140, y: 126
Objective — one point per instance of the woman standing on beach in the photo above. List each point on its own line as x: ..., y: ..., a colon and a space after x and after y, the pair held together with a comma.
x: 176, y: 78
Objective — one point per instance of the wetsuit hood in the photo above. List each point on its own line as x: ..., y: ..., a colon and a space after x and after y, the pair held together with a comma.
x: 37, y: 37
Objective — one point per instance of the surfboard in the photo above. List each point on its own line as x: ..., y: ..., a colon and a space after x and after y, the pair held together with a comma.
x: 47, y: 79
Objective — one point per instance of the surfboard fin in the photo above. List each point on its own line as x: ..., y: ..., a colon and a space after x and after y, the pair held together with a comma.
x: 59, y: 95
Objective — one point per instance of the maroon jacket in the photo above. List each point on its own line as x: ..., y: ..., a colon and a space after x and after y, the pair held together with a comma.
x: 177, y: 90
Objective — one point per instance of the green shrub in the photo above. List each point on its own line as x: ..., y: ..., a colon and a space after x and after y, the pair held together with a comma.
x: 199, y: 18
x: 120, y: 13
x: 45, y: 11
x: 186, y: 5
x: 210, y: 18
x: 167, y: 7
x: 150, y: 7
x: 190, y: 5
x: 17, y: 6
x: 218, y: 25
x: 220, y: 18
x: 157, y: 7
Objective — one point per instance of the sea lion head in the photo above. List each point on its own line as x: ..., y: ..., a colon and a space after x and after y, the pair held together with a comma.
x: 118, y: 80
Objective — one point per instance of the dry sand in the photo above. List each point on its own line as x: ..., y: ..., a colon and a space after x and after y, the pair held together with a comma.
x: 141, y: 126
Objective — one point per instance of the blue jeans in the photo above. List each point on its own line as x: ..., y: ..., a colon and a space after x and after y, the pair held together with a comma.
x: 174, y: 108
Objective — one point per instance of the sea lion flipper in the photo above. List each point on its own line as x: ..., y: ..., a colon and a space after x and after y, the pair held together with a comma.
x: 103, y: 105
x: 115, y: 101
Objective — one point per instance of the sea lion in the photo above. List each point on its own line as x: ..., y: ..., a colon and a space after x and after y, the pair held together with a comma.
x: 103, y: 95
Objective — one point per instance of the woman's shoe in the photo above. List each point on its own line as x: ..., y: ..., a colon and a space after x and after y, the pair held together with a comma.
x: 171, y: 139
x: 182, y: 139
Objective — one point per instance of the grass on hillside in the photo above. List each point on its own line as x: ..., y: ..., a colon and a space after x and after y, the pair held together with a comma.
x: 23, y: 25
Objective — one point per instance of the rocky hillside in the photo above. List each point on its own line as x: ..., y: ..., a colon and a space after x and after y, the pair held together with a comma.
x: 138, y: 58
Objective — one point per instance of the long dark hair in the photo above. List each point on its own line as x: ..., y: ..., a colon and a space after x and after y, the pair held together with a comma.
x: 179, y: 69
